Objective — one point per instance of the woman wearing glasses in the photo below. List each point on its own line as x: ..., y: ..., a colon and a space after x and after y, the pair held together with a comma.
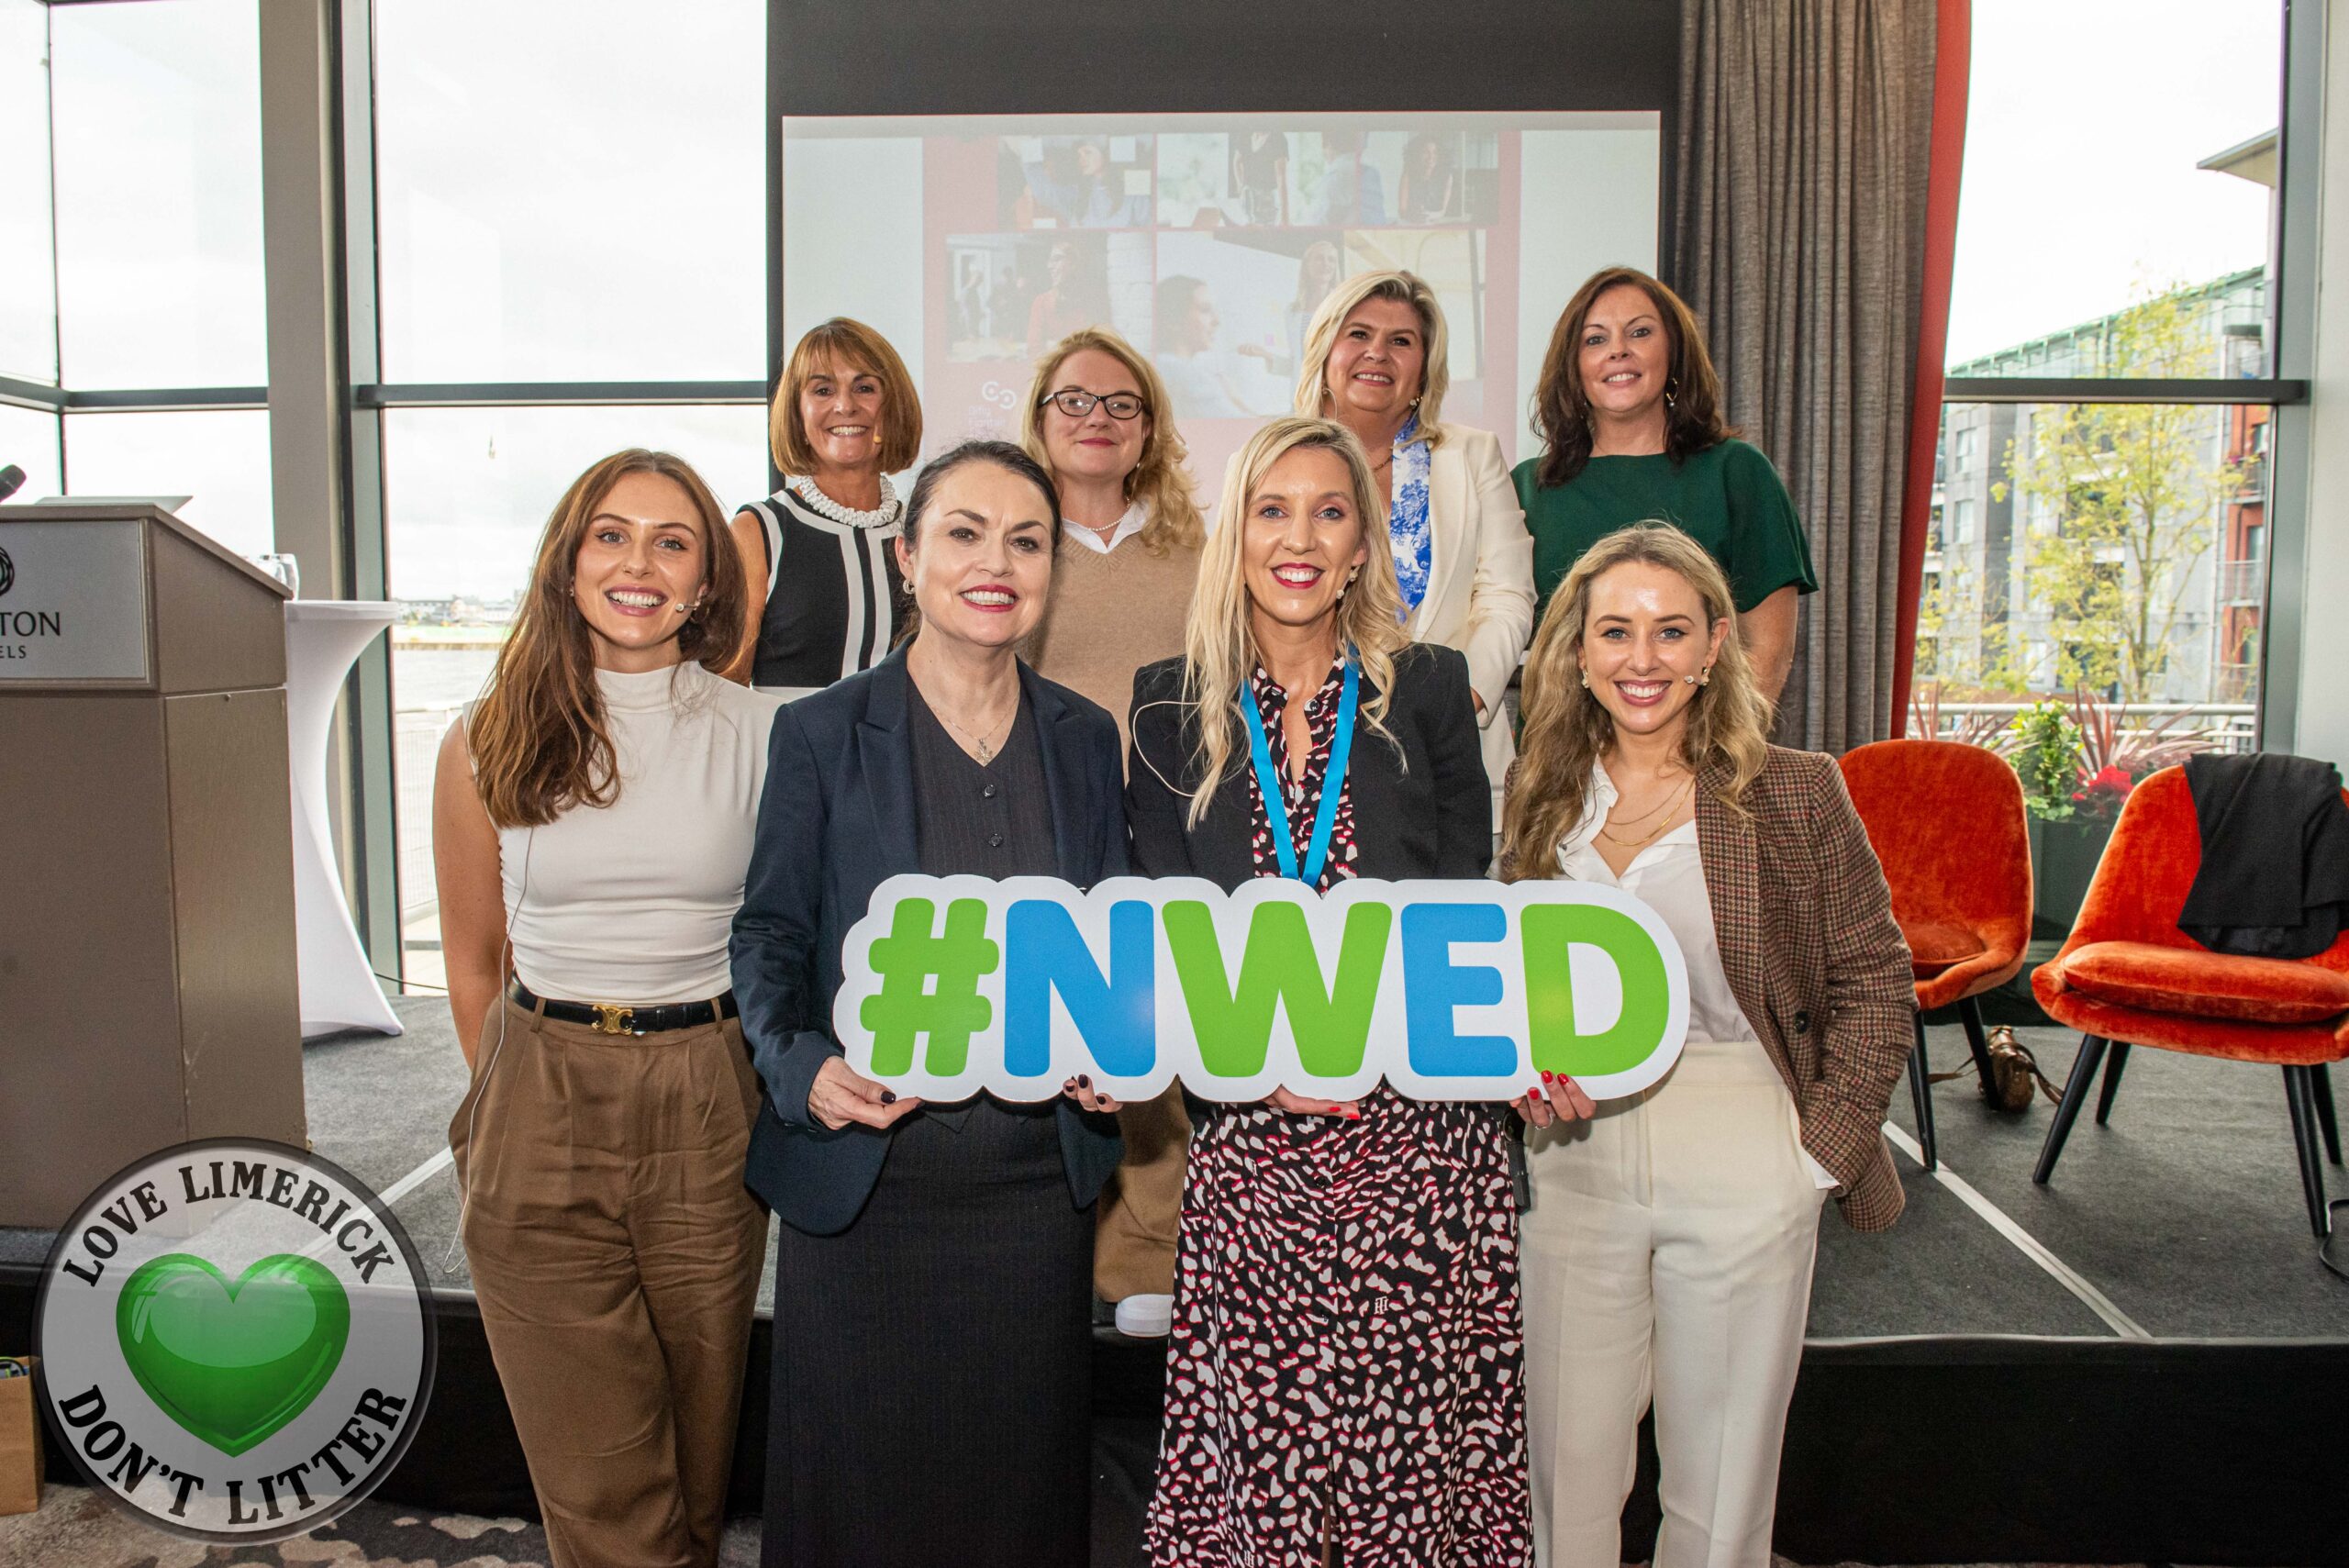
x: 1097, y: 418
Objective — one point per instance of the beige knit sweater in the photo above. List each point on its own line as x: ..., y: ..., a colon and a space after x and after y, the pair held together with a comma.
x: 1109, y: 615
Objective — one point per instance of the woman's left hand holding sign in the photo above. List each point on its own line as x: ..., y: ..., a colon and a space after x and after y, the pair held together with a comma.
x: 1080, y: 1089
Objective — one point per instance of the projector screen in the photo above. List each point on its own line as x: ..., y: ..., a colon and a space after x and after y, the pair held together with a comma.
x: 973, y: 244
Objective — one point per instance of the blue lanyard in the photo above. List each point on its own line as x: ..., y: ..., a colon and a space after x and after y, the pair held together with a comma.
x: 1333, y: 781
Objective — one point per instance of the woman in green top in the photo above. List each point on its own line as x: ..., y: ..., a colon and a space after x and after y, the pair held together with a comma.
x: 1630, y: 409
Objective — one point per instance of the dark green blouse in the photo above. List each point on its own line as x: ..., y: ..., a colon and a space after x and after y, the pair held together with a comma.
x: 1726, y: 497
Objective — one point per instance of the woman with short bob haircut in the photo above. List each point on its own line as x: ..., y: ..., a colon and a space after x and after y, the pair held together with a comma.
x: 1376, y: 360
x: 1343, y: 1379
x: 592, y: 814
x: 1097, y: 417
x: 1667, y: 1251
x: 1630, y: 409
x: 844, y: 417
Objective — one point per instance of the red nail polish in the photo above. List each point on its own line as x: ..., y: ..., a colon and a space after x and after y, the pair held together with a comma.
x: 1545, y: 1075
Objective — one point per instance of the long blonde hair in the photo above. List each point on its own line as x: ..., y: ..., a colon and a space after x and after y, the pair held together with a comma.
x: 1321, y: 336
x: 1219, y: 645
x: 1159, y: 480
x: 1566, y: 731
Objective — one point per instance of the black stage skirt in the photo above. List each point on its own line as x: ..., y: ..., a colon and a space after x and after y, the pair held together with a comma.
x: 933, y: 1363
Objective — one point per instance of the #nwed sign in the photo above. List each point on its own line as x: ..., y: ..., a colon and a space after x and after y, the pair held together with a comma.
x: 1447, y: 990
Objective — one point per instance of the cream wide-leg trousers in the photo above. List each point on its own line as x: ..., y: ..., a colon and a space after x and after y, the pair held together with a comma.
x: 1667, y: 1258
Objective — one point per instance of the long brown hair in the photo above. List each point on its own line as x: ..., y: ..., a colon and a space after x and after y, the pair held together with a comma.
x: 1568, y: 731
x: 1159, y: 480
x: 538, y: 737
x: 1692, y: 417
x: 1219, y: 644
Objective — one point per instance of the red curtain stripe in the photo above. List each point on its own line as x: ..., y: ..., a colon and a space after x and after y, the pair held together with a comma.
x: 1952, y: 63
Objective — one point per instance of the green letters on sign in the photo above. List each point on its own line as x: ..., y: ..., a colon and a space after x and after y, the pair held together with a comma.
x: 1556, y: 1046
x: 1234, y: 1023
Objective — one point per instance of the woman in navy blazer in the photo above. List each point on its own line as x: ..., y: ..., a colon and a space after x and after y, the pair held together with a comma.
x: 933, y: 1271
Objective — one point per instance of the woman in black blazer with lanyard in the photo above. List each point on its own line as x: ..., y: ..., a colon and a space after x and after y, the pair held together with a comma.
x: 1343, y: 1381
x: 931, y: 1400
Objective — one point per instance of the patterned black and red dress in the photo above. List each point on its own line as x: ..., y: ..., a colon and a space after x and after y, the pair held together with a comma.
x: 1345, y: 1379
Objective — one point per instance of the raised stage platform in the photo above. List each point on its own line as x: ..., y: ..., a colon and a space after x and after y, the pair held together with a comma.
x: 2143, y: 1361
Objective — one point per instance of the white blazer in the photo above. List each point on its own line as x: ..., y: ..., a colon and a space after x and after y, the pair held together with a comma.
x: 1480, y: 578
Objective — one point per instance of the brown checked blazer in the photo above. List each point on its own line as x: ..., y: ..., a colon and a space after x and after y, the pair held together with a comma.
x: 1816, y: 961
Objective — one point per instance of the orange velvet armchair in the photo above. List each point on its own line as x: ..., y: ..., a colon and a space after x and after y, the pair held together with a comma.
x: 2129, y: 977
x: 1946, y: 821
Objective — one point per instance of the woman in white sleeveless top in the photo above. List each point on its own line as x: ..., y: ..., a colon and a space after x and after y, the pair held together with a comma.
x: 593, y: 819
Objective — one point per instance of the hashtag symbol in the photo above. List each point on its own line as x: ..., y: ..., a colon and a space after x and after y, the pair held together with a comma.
x: 908, y: 959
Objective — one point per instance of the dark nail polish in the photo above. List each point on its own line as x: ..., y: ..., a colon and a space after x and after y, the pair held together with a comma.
x: 888, y: 1096
x: 1083, y: 1081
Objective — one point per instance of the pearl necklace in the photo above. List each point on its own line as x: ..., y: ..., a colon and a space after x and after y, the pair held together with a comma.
x: 823, y: 506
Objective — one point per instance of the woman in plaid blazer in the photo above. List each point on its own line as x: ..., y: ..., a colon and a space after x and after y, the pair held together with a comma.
x: 1667, y: 1253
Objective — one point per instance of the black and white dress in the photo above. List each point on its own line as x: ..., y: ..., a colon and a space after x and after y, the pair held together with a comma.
x: 832, y: 587
x: 1344, y: 1377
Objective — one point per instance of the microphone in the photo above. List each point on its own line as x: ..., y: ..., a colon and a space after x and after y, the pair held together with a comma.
x: 12, y: 479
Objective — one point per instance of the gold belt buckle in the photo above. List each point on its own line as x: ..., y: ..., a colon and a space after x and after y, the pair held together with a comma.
x: 613, y: 1018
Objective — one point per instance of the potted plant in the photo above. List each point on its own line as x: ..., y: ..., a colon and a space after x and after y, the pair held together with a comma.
x: 2044, y: 742
x: 2077, y: 763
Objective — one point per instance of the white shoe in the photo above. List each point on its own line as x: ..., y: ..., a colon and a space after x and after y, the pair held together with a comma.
x: 1146, y: 1316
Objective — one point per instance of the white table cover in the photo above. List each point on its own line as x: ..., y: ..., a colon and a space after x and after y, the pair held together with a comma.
x: 323, y: 639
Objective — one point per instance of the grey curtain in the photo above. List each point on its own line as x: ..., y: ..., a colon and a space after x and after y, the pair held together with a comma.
x: 1799, y: 239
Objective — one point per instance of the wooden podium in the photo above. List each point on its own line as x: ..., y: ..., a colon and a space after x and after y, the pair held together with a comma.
x: 147, y: 992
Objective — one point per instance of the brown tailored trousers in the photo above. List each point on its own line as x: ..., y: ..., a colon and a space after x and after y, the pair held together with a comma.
x: 616, y: 1256
x: 1141, y: 1208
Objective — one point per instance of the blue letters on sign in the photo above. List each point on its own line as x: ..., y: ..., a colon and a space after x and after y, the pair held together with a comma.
x: 1116, y: 1015
x: 1433, y: 985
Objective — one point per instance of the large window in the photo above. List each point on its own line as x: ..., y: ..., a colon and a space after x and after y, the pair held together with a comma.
x: 219, y: 460
x: 133, y: 346
x: 2096, y: 578
x: 157, y: 109
x: 2117, y: 151
x: 28, y: 271
x: 2114, y: 244
x: 583, y: 201
x: 550, y: 213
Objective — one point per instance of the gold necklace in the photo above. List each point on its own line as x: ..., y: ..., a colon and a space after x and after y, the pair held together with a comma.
x: 987, y: 752
x: 1643, y: 815
x: 1658, y: 830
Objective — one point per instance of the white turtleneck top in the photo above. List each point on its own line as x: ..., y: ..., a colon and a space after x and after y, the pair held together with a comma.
x: 632, y: 902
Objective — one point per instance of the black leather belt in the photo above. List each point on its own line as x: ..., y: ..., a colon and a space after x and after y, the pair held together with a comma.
x: 612, y: 1017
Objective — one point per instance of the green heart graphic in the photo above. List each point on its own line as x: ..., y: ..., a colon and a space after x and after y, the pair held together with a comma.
x: 232, y: 1362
